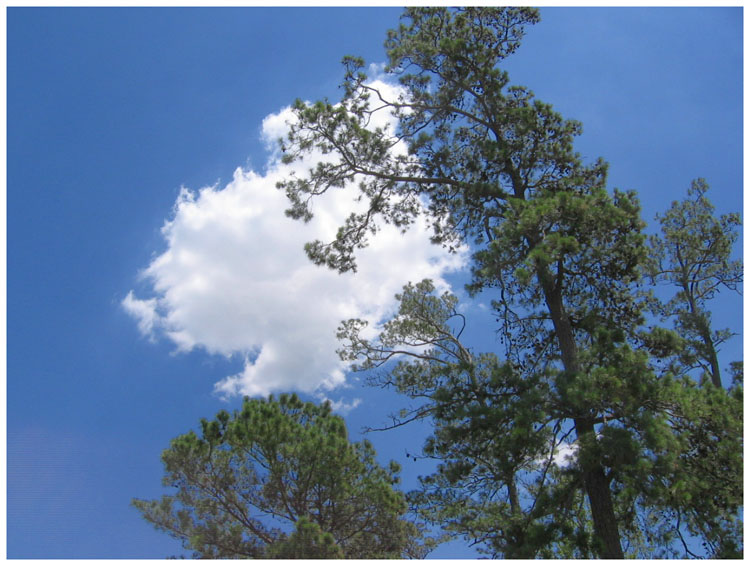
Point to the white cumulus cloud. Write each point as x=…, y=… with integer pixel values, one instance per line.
x=144, y=311
x=234, y=280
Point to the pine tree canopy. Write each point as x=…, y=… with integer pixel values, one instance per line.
x=588, y=433
x=280, y=479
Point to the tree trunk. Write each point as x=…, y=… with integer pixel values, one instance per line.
x=701, y=324
x=710, y=350
x=595, y=480
x=600, y=500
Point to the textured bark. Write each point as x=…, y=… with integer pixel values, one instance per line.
x=704, y=331
x=600, y=501
x=595, y=480
x=711, y=354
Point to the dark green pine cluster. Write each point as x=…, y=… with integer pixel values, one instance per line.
x=280, y=479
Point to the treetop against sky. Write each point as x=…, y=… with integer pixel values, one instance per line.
x=154, y=279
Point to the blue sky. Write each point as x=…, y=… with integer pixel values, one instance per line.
x=111, y=112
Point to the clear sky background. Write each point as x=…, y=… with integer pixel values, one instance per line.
x=118, y=332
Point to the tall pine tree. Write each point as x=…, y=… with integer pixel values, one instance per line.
x=693, y=254
x=492, y=166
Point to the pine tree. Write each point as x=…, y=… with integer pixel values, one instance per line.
x=493, y=167
x=280, y=479
x=692, y=253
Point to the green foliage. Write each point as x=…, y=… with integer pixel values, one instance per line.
x=706, y=490
x=308, y=541
x=493, y=167
x=692, y=254
x=670, y=449
x=274, y=467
